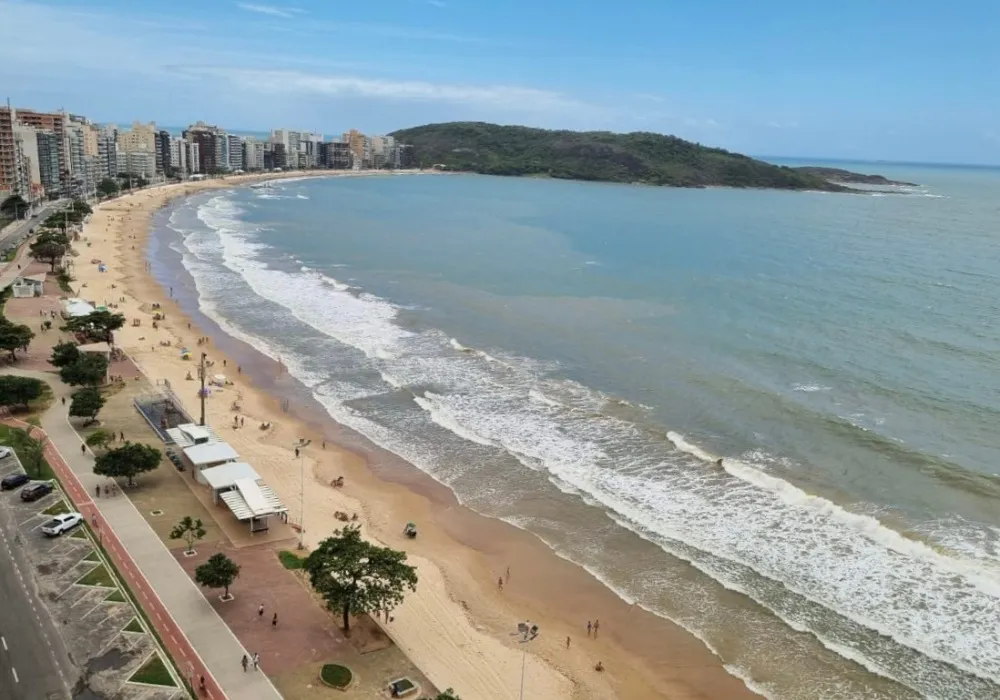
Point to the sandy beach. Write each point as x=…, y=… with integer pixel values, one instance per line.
x=458, y=625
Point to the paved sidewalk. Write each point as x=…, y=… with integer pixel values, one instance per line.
x=196, y=636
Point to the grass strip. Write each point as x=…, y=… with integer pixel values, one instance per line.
x=115, y=596
x=56, y=509
x=134, y=626
x=153, y=672
x=290, y=560
x=98, y=576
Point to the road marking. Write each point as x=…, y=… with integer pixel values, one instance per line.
x=14, y=671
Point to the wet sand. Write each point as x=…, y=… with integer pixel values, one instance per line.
x=458, y=625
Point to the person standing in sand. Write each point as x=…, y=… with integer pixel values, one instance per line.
x=260, y=610
x=590, y=628
x=597, y=626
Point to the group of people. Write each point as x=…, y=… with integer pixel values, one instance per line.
x=111, y=489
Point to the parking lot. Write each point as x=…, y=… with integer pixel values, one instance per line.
x=95, y=627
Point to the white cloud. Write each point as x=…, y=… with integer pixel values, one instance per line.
x=287, y=12
x=284, y=81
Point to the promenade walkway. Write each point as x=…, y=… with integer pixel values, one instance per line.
x=194, y=634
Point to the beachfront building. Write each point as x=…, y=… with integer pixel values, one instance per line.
x=239, y=486
x=235, y=152
x=253, y=153
x=206, y=137
x=178, y=159
x=54, y=125
x=28, y=286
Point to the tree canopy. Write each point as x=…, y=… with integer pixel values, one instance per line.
x=127, y=461
x=64, y=353
x=107, y=187
x=89, y=369
x=97, y=325
x=356, y=577
x=190, y=530
x=19, y=391
x=48, y=251
x=100, y=438
x=86, y=403
x=14, y=205
x=639, y=157
x=14, y=337
x=218, y=572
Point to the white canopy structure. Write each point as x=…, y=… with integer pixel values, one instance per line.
x=189, y=434
x=77, y=307
x=244, y=492
x=209, y=454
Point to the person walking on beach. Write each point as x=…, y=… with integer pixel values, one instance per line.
x=500, y=584
x=508, y=574
x=296, y=451
x=597, y=626
x=245, y=662
x=260, y=610
x=590, y=627
x=567, y=642
x=274, y=620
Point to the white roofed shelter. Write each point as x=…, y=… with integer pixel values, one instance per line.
x=244, y=492
x=189, y=434
x=209, y=454
x=77, y=307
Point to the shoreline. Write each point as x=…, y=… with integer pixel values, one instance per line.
x=457, y=626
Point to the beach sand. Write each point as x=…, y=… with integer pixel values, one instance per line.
x=458, y=627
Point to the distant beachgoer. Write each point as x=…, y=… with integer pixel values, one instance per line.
x=256, y=661
x=239, y=369
x=260, y=610
x=599, y=666
x=567, y=642
x=274, y=620
x=97, y=490
x=508, y=574
x=296, y=451
x=122, y=437
x=64, y=400
x=590, y=628
x=500, y=583
x=245, y=662
x=597, y=626
x=83, y=449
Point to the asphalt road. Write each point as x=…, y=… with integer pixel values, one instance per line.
x=19, y=231
x=33, y=660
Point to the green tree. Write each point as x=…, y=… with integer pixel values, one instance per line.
x=19, y=391
x=218, y=572
x=48, y=251
x=97, y=325
x=86, y=403
x=107, y=187
x=14, y=337
x=51, y=235
x=356, y=577
x=100, y=438
x=447, y=695
x=127, y=461
x=64, y=353
x=56, y=221
x=14, y=206
x=190, y=530
x=90, y=369
x=81, y=207
x=32, y=453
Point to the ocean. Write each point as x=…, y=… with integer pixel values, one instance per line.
x=574, y=358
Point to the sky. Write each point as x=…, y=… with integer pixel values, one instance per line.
x=872, y=80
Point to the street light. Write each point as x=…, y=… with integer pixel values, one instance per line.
x=302, y=490
x=528, y=632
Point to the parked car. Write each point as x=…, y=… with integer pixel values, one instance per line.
x=61, y=523
x=14, y=481
x=36, y=490
x=5, y=452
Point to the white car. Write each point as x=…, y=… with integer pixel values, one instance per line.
x=61, y=523
x=5, y=452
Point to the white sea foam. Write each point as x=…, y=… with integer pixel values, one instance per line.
x=810, y=388
x=849, y=563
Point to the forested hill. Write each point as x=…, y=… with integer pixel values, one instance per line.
x=638, y=157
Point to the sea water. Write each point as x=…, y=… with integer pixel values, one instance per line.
x=574, y=358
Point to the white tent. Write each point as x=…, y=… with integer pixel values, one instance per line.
x=78, y=307
x=209, y=454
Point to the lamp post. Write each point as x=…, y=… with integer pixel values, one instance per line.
x=299, y=446
x=201, y=393
x=528, y=632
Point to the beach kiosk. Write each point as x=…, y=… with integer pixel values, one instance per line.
x=246, y=495
x=190, y=434
x=207, y=455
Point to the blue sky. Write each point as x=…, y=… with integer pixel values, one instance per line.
x=878, y=79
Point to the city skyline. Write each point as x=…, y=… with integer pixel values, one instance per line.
x=848, y=81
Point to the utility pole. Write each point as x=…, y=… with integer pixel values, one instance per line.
x=201, y=394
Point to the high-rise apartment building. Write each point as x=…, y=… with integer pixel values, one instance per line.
x=253, y=153
x=55, y=124
x=193, y=157
x=163, y=162
x=50, y=159
x=205, y=136
x=235, y=152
